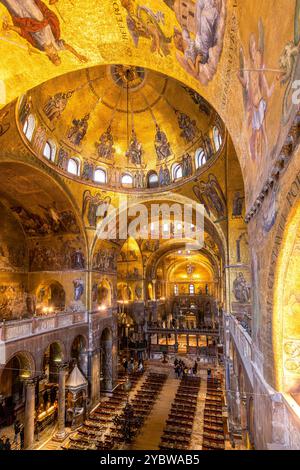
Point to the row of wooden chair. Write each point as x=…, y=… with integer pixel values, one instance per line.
x=213, y=429
x=179, y=425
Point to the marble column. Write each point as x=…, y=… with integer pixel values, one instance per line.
x=29, y=413
x=95, y=376
x=62, y=372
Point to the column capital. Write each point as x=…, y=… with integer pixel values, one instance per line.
x=63, y=366
x=31, y=381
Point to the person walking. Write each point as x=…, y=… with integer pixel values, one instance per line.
x=125, y=365
x=17, y=431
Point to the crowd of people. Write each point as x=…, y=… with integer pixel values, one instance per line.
x=130, y=366
x=182, y=370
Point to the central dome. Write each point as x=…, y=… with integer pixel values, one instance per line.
x=123, y=120
x=126, y=76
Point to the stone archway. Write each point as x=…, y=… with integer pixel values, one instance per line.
x=286, y=320
x=78, y=353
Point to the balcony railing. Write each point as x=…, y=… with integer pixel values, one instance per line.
x=243, y=342
x=183, y=330
x=18, y=329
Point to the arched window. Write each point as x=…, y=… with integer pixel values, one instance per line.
x=49, y=151
x=73, y=166
x=217, y=138
x=191, y=289
x=175, y=289
x=152, y=180
x=100, y=176
x=127, y=180
x=200, y=158
x=177, y=171
x=29, y=127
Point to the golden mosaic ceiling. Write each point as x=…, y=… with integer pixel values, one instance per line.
x=202, y=43
x=148, y=104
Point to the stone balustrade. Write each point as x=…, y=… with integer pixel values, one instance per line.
x=243, y=342
x=19, y=329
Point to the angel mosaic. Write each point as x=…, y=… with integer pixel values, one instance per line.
x=77, y=132
x=105, y=146
x=55, y=105
x=210, y=194
x=142, y=22
x=91, y=205
x=199, y=43
x=256, y=92
x=39, y=26
x=162, y=146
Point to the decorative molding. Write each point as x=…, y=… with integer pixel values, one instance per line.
x=282, y=161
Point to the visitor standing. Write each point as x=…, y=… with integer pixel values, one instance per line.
x=17, y=431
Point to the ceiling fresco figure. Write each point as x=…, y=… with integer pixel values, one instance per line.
x=200, y=42
x=38, y=25
x=142, y=22
x=290, y=65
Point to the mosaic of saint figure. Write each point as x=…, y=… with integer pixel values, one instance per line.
x=187, y=125
x=78, y=130
x=88, y=171
x=105, y=146
x=25, y=108
x=241, y=289
x=56, y=105
x=39, y=139
x=39, y=26
x=142, y=22
x=139, y=179
x=237, y=205
x=78, y=289
x=62, y=159
x=162, y=146
x=256, y=93
x=135, y=150
x=187, y=166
